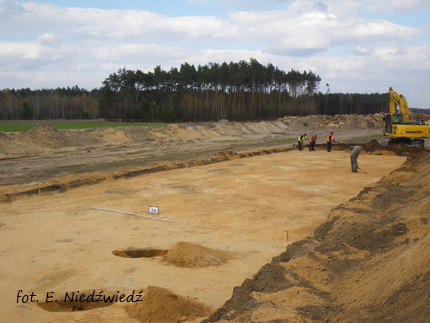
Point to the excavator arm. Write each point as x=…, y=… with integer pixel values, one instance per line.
x=399, y=104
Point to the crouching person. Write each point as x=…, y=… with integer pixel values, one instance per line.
x=355, y=152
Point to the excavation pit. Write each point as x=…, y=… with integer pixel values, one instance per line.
x=140, y=253
x=259, y=209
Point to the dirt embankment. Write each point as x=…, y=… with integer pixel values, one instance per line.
x=343, y=121
x=43, y=152
x=44, y=137
x=346, y=121
x=367, y=263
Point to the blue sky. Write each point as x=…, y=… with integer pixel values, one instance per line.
x=354, y=45
x=177, y=8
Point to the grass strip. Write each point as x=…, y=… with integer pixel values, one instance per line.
x=78, y=125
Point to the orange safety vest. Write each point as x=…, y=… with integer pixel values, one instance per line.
x=330, y=138
x=312, y=139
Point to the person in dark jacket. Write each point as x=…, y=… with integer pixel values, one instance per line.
x=312, y=142
x=300, y=141
x=355, y=152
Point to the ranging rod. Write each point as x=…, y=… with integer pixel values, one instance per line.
x=151, y=217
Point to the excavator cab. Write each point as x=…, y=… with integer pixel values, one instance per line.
x=397, y=118
x=392, y=119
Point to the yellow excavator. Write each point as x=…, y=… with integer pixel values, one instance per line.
x=398, y=125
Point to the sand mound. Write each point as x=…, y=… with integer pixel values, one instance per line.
x=40, y=138
x=180, y=132
x=43, y=129
x=339, y=121
x=3, y=136
x=375, y=148
x=420, y=116
x=174, y=132
x=191, y=255
x=112, y=135
x=160, y=305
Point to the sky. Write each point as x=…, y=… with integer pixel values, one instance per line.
x=355, y=46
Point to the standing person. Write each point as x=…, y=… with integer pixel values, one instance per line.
x=300, y=141
x=312, y=142
x=355, y=152
x=329, y=141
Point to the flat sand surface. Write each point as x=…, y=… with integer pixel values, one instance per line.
x=55, y=243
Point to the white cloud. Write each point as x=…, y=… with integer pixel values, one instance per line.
x=34, y=55
x=49, y=39
x=242, y=26
x=17, y=52
x=320, y=6
x=360, y=50
x=347, y=7
x=396, y=6
x=300, y=44
x=67, y=46
x=299, y=30
x=10, y=8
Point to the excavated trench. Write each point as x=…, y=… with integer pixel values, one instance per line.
x=140, y=253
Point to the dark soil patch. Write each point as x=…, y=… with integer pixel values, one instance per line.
x=140, y=253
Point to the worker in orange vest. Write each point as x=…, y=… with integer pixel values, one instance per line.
x=329, y=141
x=312, y=142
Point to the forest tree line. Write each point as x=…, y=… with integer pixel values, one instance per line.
x=235, y=91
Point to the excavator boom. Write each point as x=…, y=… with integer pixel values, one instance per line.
x=399, y=104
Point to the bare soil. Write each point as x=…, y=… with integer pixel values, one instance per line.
x=357, y=246
x=160, y=305
x=367, y=263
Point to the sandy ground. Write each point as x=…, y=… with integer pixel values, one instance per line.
x=367, y=263
x=56, y=243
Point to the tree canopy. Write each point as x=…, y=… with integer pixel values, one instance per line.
x=236, y=91
x=244, y=90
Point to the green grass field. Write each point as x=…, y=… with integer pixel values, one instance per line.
x=78, y=125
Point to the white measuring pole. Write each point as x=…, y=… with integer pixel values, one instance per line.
x=151, y=217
